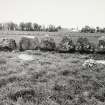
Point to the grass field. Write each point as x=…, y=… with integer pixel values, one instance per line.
x=93, y=37
x=50, y=78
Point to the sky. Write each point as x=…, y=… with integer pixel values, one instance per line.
x=67, y=13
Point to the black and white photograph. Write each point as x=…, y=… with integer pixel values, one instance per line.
x=52, y=52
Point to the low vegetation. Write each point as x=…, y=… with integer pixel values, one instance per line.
x=50, y=79
x=66, y=45
x=47, y=44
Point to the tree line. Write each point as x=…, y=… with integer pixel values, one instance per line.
x=88, y=29
x=28, y=26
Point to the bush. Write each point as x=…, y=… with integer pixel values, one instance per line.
x=66, y=45
x=83, y=45
x=48, y=44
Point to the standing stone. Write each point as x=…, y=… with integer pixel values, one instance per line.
x=7, y=44
x=29, y=43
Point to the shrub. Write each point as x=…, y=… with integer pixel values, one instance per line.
x=92, y=65
x=83, y=45
x=48, y=44
x=66, y=45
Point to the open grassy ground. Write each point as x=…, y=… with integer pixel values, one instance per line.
x=50, y=78
x=93, y=37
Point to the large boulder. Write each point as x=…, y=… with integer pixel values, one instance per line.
x=83, y=45
x=47, y=43
x=101, y=44
x=28, y=43
x=7, y=44
x=66, y=45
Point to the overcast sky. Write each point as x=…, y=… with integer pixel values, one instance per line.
x=67, y=13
